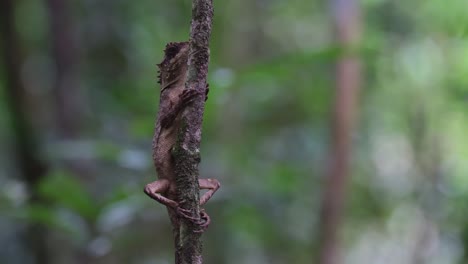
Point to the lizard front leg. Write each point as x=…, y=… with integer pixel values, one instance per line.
x=155, y=189
x=185, y=98
x=211, y=185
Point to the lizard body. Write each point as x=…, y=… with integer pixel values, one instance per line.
x=173, y=99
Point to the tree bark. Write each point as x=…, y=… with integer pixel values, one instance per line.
x=187, y=148
x=31, y=167
x=346, y=18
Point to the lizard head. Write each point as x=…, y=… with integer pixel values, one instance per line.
x=174, y=63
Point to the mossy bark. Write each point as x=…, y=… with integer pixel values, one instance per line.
x=187, y=149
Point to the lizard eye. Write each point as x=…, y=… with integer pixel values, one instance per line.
x=171, y=51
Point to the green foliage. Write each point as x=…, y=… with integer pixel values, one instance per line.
x=265, y=132
x=250, y=222
x=284, y=179
x=65, y=190
x=41, y=214
x=31, y=23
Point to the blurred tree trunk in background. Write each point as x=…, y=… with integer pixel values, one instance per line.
x=66, y=91
x=31, y=167
x=346, y=18
x=67, y=95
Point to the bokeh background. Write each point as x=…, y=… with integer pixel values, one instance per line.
x=78, y=100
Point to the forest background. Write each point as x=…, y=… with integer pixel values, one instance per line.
x=78, y=98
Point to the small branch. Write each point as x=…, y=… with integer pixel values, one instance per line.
x=187, y=148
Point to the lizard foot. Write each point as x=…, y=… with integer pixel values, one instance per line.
x=202, y=223
x=188, y=95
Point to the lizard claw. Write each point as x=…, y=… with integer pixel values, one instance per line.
x=188, y=95
x=204, y=221
x=201, y=222
x=185, y=213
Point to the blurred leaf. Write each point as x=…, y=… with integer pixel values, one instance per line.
x=53, y=218
x=41, y=214
x=107, y=150
x=63, y=189
x=31, y=22
x=282, y=66
x=247, y=219
x=283, y=179
x=143, y=126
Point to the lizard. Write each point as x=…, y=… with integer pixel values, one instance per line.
x=173, y=100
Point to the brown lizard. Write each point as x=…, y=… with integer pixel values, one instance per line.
x=173, y=99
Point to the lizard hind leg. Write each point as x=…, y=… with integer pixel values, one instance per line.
x=155, y=189
x=202, y=223
x=212, y=185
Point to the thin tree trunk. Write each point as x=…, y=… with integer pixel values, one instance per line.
x=68, y=99
x=346, y=18
x=187, y=148
x=32, y=168
x=67, y=96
